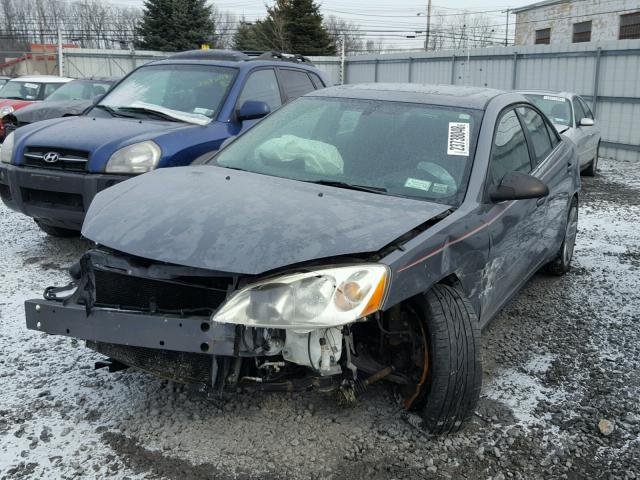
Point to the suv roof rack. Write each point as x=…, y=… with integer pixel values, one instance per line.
x=236, y=56
x=273, y=55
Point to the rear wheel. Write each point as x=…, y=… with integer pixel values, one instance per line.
x=447, y=366
x=562, y=263
x=57, y=231
x=590, y=171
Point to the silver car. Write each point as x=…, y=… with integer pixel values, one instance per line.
x=572, y=117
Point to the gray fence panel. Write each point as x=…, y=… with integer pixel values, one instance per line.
x=431, y=72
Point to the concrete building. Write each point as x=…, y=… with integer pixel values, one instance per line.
x=574, y=21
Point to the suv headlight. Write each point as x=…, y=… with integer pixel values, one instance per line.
x=6, y=110
x=137, y=158
x=321, y=298
x=6, y=150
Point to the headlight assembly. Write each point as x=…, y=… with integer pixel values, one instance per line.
x=6, y=150
x=137, y=158
x=322, y=298
x=6, y=110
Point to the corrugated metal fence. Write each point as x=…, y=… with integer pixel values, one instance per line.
x=606, y=74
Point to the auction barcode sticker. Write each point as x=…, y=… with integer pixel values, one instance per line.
x=458, y=142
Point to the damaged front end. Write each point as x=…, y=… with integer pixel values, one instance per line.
x=288, y=332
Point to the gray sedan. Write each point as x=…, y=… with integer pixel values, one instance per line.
x=572, y=117
x=358, y=234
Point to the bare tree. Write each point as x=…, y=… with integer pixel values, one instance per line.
x=340, y=30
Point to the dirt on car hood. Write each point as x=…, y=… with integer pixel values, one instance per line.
x=234, y=221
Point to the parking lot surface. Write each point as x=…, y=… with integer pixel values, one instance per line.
x=561, y=393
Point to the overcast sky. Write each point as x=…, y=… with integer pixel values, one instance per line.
x=372, y=16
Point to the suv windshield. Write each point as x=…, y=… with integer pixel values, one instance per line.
x=79, y=90
x=557, y=109
x=21, y=90
x=191, y=93
x=392, y=148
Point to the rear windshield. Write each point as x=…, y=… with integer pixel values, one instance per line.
x=80, y=90
x=401, y=149
x=557, y=109
x=21, y=90
x=197, y=90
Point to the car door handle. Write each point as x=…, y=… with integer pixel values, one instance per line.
x=541, y=201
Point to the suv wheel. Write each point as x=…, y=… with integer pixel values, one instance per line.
x=57, y=231
x=450, y=375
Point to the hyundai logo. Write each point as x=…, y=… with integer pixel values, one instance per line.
x=51, y=157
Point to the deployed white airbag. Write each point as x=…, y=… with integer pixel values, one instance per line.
x=318, y=157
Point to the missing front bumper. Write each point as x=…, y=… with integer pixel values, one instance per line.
x=192, y=334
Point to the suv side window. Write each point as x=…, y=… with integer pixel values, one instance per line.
x=49, y=88
x=316, y=81
x=509, y=152
x=578, y=111
x=585, y=107
x=295, y=83
x=262, y=85
x=538, y=134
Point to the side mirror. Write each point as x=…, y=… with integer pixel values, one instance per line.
x=253, y=109
x=587, y=122
x=518, y=186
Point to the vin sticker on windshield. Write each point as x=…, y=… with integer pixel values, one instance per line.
x=458, y=141
x=418, y=184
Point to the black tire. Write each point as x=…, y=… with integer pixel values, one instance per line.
x=591, y=170
x=562, y=263
x=57, y=231
x=452, y=388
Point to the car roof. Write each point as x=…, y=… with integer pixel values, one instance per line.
x=446, y=95
x=236, y=59
x=42, y=79
x=555, y=93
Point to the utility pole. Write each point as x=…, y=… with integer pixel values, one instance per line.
x=60, y=59
x=343, y=41
x=426, y=40
x=506, y=32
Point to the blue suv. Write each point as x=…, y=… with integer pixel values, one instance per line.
x=167, y=113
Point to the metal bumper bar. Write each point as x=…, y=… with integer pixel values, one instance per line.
x=195, y=334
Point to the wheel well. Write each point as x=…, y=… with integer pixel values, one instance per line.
x=452, y=280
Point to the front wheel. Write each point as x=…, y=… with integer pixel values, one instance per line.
x=57, y=231
x=451, y=373
x=562, y=263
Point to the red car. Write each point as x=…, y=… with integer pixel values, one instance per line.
x=22, y=91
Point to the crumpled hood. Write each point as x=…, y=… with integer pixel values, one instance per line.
x=233, y=221
x=51, y=109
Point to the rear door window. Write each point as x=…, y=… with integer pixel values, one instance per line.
x=316, y=81
x=295, y=83
x=262, y=85
x=538, y=133
x=509, y=152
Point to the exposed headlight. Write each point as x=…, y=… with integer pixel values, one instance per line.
x=318, y=299
x=6, y=150
x=6, y=110
x=137, y=158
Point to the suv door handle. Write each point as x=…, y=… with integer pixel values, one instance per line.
x=540, y=201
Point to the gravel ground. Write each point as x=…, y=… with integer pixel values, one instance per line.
x=562, y=366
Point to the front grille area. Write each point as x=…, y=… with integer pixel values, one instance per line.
x=45, y=198
x=118, y=290
x=68, y=159
x=177, y=366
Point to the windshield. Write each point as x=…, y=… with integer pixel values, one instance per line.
x=557, y=109
x=195, y=90
x=80, y=90
x=21, y=90
x=402, y=149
